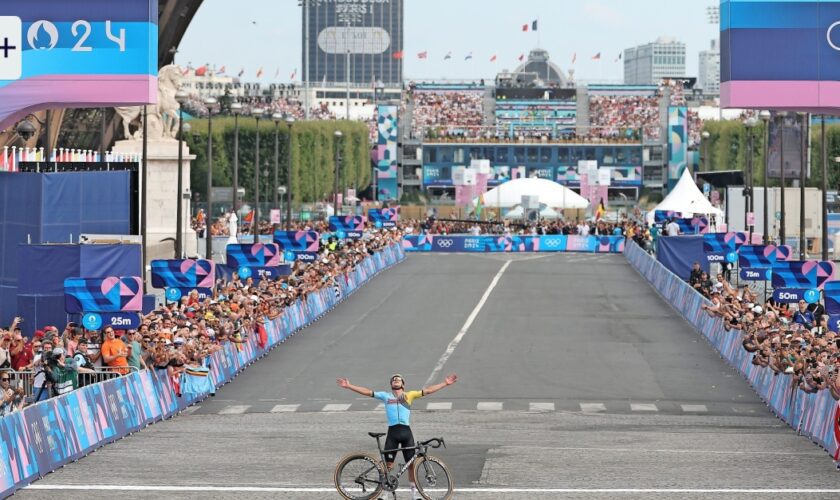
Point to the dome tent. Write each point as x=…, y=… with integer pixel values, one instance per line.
x=550, y=194
x=685, y=198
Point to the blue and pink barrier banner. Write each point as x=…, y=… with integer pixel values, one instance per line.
x=95, y=295
x=384, y=217
x=350, y=226
x=813, y=415
x=298, y=241
x=48, y=435
x=254, y=255
x=479, y=244
x=184, y=274
x=802, y=274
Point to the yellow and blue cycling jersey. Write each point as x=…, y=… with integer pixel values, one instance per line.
x=398, y=409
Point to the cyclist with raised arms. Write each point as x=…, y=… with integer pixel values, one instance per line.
x=398, y=411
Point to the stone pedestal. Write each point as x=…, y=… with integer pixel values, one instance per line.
x=161, y=198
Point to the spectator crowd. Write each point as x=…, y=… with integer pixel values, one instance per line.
x=176, y=337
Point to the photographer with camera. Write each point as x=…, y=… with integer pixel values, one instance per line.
x=64, y=372
x=11, y=399
x=41, y=384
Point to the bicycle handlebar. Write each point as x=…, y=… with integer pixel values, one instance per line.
x=438, y=442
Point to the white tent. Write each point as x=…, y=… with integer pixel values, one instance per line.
x=550, y=194
x=685, y=198
x=545, y=213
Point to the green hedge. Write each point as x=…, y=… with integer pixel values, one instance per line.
x=313, y=156
x=728, y=151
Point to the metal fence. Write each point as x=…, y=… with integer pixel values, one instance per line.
x=26, y=379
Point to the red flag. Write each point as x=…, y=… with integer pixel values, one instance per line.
x=422, y=55
x=201, y=71
x=493, y=59
x=185, y=71
x=221, y=71
x=521, y=57
x=260, y=73
x=525, y=27
x=398, y=55
x=596, y=57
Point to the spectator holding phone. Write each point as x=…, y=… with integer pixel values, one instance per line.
x=114, y=352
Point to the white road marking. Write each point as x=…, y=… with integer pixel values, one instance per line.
x=489, y=406
x=592, y=407
x=380, y=407
x=291, y=489
x=284, y=408
x=694, y=408
x=643, y=407
x=191, y=410
x=234, y=409
x=541, y=407
x=336, y=407
x=439, y=406
x=457, y=340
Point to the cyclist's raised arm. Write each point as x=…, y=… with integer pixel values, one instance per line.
x=449, y=380
x=345, y=383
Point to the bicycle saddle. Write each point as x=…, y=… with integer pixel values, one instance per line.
x=376, y=434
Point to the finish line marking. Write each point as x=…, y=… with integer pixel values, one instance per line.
x=257, y=489
x=457, y=340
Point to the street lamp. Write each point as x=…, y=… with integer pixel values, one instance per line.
x=290, y=121
x=783, y=116
x=255, y=221
x=184, y=196
x=750, y=124
x=236, y=109
x=210, y=102
x=803, y=159
x=705, y=135
x=338, y=135
x=765, y=117
x=277, y=117
x=181, y=97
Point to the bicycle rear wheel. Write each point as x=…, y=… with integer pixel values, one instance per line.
x=358, y=476
x=433, y=479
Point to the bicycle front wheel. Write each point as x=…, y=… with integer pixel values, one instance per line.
x=358, y=476
x=434, y=482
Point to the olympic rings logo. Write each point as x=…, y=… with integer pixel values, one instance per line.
x=445, y=243
x=828, y=36
x=553, y=243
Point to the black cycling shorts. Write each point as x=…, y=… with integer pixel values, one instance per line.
x=399, y=436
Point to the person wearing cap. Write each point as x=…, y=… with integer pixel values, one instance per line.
x=398, y=412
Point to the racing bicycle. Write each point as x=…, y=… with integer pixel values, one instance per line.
x=361, y=476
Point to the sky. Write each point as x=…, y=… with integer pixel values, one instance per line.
x=251, y=34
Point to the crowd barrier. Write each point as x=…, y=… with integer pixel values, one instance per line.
x=812, y=415
x=50, y=434
x=551, y=243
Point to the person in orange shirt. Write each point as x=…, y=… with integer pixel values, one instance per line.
x=115, y=352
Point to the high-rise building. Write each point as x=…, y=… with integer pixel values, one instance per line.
x=367, y=35
x=649, y=64
x=708, y=75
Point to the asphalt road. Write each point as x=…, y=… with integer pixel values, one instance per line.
x=576, y=381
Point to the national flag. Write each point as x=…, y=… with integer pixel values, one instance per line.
x=493, y=59
x=600, y=211
x=294, y=74
x=201, y=71
x=574, y=57
x=422, y=55
x=525, y=27
x=534, y=25
x=596, y=57
x=479, y=206
x=186, y=71
x=241, y=72
x=469, y=56
x=618, y=58
x=259, y=73
x=222, y=70
x=521, y=57
x=398, y=54
x=448, y=56
x=248, y=218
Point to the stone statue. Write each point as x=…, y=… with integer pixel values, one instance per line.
x=163, y=116
x=233, y=228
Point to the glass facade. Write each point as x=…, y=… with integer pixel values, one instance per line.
x=371, y=31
